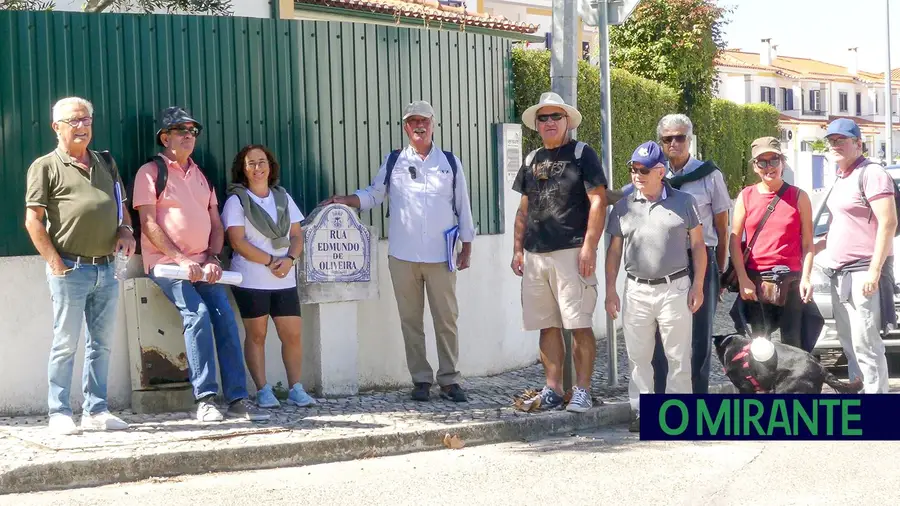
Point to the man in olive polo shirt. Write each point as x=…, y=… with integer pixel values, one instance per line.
x=77, y=191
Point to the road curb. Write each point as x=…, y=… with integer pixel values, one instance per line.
x=89, y=473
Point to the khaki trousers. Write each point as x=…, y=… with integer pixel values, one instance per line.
x=646, y=309
x=412, y=282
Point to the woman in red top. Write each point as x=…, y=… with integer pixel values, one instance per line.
x=785, y=244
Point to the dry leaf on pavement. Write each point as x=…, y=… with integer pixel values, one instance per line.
x=453, y=442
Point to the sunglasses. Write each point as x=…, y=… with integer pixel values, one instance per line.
x=642, y=170
x=556, y=116
x=765, y=164
x=412, y=172
x=75, y=122
x=186, y=130
x=669, y=138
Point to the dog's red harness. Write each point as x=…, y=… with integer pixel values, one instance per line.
x=744, y=355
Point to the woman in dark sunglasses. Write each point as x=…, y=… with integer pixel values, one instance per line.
x=773, y=273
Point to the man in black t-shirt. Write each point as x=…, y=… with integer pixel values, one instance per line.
x=558, y=226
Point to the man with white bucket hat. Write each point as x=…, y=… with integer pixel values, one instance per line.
x=558, y=226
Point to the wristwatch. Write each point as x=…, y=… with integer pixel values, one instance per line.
x=293, y=260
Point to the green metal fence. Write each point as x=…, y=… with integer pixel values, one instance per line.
x=327, y=97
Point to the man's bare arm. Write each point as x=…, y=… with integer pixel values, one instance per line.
x=720, y=222
x=156, y=235
x=37, y=231
x=596, y=217
x=216, y=233
x=519, y=233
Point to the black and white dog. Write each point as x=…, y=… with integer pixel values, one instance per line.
x=784, y=369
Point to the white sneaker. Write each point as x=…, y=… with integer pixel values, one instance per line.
x=207, y=411
x=61, y=423
x=581, y=401
x=103, y=420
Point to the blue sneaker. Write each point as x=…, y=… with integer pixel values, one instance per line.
x=265, y=398
x=550, y=399
x=299, y=397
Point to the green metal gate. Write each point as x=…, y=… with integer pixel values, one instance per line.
x=326, y=97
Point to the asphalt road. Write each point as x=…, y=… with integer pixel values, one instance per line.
x=609, y=467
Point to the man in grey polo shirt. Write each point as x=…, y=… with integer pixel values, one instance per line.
x=652, y=225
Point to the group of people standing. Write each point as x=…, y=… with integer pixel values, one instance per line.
x=670, y=226
x=78, y=219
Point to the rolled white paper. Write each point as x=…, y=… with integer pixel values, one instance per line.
x=178, y=272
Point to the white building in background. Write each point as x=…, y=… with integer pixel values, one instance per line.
x=809, y=94
x=535, y=12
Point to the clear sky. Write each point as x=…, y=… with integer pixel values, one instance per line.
x=818, y=29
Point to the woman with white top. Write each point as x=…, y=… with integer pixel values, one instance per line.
x=262, y=223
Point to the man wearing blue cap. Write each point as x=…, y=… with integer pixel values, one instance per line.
x=652, y=225
x=861, y=203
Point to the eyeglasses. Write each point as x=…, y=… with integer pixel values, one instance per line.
x=765, y=164
x=669, y=138
x=556, y=116
x=76, y=122
x=643, y=170
x=839, y=141
x=261, y=163
x=186, y=130
x=412, y=172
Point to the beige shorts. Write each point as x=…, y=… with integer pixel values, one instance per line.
x=554, y=294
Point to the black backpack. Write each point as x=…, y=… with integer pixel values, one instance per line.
x=389, y=169
x=862, y=193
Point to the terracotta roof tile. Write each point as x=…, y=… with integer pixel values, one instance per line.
x=791, y=66
x=428, y=10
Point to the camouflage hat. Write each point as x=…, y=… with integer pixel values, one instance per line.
x=171, y=116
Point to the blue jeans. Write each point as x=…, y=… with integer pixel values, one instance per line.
x=701, y=340
x=88, y=294
x=206, y=313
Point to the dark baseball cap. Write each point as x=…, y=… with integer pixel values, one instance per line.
x=648, y=154
x=172, y=116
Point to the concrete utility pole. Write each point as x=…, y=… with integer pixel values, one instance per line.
x=564, y=82
x=606, y=156
x=888, y=99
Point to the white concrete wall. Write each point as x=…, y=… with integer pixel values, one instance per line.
x=490, y=335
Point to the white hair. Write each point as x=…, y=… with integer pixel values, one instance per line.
x=674, y=121
x=62, y=104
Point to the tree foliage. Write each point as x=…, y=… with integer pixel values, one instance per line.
x=637, y=105
x=674, y=42
x=214, y=7
x=26, y=5
x=728, y=134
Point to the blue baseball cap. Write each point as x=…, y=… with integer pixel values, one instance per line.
x=648, y=154
x=843, y=126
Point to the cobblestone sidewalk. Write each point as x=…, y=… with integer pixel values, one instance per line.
x=26, y=441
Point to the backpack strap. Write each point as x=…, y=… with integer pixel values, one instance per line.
x=162, y=174
x=765, y=217
x=388, y=170
x=530, y=158
x=579, y=149
x=452, y=161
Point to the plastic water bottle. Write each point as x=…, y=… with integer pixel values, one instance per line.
x=121, y=264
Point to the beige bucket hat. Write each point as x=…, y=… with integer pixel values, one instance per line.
x=549, y=99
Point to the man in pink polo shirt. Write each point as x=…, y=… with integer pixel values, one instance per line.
x=861, y=245
x=182, y=226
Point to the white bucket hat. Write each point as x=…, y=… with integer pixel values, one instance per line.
x=547, y=100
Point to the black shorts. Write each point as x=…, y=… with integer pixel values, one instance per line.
x=253, y=303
